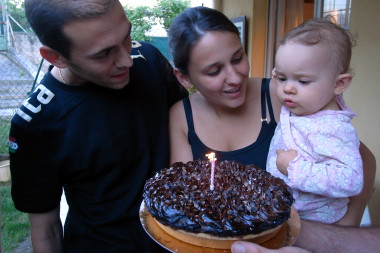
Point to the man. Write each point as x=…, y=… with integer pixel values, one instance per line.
x=97, y=125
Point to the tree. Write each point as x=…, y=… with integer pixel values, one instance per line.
x=16, y=11
x=167, y=10
x=141, y=20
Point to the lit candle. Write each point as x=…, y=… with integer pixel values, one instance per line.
x=212, y=159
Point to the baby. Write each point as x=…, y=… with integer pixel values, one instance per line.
x=315, y=148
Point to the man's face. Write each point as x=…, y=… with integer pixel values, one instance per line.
x=100, y=49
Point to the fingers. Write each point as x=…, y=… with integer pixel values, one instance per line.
x=249, y=247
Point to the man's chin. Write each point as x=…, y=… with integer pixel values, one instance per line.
x=117, y=85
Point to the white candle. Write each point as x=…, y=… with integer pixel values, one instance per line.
x=212, y=159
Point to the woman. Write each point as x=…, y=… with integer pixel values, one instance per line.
x=231, y=113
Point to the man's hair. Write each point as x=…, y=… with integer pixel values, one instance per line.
x=48, y=17
x=324, y=32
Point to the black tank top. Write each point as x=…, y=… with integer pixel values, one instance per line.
x=256, y=153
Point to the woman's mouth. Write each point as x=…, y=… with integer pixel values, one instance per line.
x=233, y=93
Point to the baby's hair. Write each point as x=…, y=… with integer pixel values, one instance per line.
x=324, y=32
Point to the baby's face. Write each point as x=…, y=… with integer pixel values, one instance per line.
x=305, y=81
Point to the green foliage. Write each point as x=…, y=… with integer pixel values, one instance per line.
x=17, y=11
x=142, y=21
x=167, y=10
x=4, y=133
x=15, y=226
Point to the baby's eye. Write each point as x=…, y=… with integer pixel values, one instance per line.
x=281, y=79
x=304, y=81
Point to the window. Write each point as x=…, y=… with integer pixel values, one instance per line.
x=339, y=9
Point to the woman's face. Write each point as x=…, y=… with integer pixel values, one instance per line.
x=219, y=68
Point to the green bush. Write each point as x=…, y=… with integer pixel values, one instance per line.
x=4, y=133
x=15, y=227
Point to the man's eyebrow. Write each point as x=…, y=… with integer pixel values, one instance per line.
x=109, y=48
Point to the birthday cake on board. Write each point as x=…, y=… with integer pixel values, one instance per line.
x=213, y=204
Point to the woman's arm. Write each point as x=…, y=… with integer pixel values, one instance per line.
x=180, y=149
x=46, y=232
x=359, y=202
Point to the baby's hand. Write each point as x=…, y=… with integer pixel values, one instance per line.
x=284, y=158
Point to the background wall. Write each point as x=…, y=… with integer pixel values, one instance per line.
x=363, y=96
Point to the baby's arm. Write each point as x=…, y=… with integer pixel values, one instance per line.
x=334, y=167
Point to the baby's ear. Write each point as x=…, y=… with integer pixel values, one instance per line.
x=342, y=82
x=182, y=78
x=53, y=57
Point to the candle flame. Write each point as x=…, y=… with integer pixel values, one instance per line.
x=211, y=156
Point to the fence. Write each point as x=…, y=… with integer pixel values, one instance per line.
x=19, y=63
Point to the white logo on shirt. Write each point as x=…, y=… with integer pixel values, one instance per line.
x=44, y=96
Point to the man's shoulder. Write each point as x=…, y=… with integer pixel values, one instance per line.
x=140, y=47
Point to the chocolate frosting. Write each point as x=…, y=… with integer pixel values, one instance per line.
x=245, y=200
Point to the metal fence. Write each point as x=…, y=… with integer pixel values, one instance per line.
x=19, y=64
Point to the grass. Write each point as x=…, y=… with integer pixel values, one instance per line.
x=15, y=226
x=4, y=132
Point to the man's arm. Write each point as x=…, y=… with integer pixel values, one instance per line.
x=46, y=232
x=318, y=237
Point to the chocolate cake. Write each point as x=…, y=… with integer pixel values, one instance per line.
x=245, y=199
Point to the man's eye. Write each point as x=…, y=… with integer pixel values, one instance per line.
x=103, y=54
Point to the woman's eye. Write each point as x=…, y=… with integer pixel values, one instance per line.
x=214, y=73
x=237, y=60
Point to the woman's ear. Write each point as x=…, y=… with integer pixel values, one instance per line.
x=182, y=78
x=53, y=57
x=342, y=82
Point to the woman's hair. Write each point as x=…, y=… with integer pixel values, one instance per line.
x=324, y=32
x=48, y=17
x=189, y=27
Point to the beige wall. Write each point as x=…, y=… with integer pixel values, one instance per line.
x=363, y=96
x=256, y=15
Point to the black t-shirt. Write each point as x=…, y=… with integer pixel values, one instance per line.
x=100, y=145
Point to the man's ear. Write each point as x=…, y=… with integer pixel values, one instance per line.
x=182, y=78
x=342, y=82
x=53, y=57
